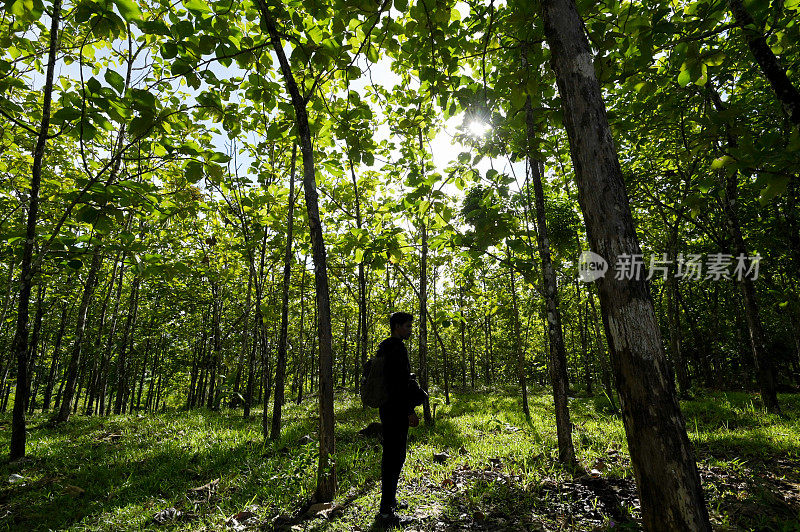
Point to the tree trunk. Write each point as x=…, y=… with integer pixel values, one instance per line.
x=787, y=93
x=106, y=357
x=48, y=390
x=122, y=369
x=605, y=374
x=762, y=359
x=362, y=288
x=558, y=356
x=280, y=370
x=661, y=454
x=20, y=343
x=326, y=470
x=34, y=342
x=518, y=351
x=77, y=347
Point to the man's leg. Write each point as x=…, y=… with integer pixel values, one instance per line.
x=395, y=436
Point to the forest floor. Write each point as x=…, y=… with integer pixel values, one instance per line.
x=203, y=470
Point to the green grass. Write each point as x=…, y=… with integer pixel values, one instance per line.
x=502, y=471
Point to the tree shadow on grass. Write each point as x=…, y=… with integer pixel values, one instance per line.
x=114, y=467
x=491, y=499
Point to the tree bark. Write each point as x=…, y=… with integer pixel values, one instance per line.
x=20, y=343
x=662, y=456
x=280, y=369
x=558, y=355
x=326, y=470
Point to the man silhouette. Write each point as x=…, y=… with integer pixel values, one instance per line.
x=397, y=413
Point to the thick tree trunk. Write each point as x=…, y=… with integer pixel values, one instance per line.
x=80, y=327
x=280, y=370
x=661, y=454
x=20, y=344
x=326, y=470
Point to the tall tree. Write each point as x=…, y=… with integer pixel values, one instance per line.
x=20, y=343
x=280, y=368
x=326, y=469
x=661, y=454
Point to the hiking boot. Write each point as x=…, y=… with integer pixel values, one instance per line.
x=391, y=519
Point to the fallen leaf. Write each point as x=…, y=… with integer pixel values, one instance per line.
x=440, y=458
x=15, y=478
x=74, y=491
x=167, y=514
x=211, y=486
x=322, y=508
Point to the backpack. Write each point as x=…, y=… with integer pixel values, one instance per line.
x=373, y=389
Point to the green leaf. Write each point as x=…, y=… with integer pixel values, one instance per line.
x=401, y=5
x=721, y=162
x=115, y=80
x=128, y=9
x=197, y=5
x=685, y=77
x=194, y=171
x=777, y=185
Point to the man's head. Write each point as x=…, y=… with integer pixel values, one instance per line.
x=400, y=324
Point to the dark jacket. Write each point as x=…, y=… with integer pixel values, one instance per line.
x=396, y=374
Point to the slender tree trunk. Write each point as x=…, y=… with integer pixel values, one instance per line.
x=280, y=370
x=605, y=374
x=661, y=454
x=109, y=348
x=326, y=470
x=518, y=351
x=130, y=324
x=762, y=359
x=362, y=287
x=216, y=343
x=245, y=344
x=586, y=353
x=77, y=347
x=20, y=343
x=34, y=341
x=558, y=356
x=787, y=93
x=48, y=391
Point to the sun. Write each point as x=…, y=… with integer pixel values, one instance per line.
x=478, y=128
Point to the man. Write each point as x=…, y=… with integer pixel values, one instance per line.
x=397, y=413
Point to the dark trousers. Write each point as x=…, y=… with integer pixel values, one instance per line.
x=395, y=438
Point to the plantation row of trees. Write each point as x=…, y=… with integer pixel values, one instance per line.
x=217, y=204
